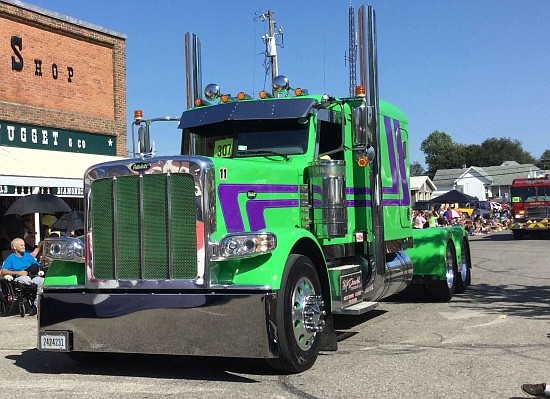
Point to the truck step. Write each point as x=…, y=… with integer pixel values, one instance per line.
x=357, y=309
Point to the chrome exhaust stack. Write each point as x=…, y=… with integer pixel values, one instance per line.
x=193, y=70
x=369, y=79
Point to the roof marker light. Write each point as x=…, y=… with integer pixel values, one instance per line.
x=138, y=115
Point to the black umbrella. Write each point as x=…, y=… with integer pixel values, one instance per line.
x=69, y=222
x=38, y=203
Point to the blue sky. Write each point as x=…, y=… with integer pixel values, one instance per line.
x=473, y=69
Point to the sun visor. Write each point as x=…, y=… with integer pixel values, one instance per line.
x=267, y=109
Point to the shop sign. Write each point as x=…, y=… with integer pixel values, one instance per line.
x=47, y=138
x=7, y=189
x=68, y=191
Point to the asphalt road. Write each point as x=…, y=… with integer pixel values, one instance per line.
x=482, y=344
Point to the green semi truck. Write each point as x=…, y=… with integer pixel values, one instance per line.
x=277, y=214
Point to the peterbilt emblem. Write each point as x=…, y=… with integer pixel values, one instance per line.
x=139, y=167
x=251, y=194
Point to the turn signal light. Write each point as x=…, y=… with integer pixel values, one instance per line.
x=362, y=161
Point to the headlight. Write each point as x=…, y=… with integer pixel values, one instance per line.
x=246, y=245
x=66, y=248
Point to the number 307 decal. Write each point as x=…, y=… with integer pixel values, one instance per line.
x=223, y=148
x=223, y=173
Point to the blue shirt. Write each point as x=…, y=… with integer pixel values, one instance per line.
x=15, y=264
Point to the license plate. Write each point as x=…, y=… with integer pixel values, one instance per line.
x=54, y=341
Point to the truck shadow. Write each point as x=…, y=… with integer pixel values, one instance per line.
x=528, y=301
x=151, y=366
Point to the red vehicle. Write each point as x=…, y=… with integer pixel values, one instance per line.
x=530, y=206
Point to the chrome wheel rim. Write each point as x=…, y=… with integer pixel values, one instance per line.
x=464, y=262
x=303, y=290
x=449, y=272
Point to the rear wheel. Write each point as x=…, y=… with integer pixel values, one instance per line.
x=7, y=298
x=464, y=277
x=300, y=316
x=444, y=290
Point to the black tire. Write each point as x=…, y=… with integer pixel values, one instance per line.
x=90, y=357
x=464, y=278
x=443, y=291
x=518, y=234
x=298, y=344
x=7, y=301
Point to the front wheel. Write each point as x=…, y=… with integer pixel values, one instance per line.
x=300, y=316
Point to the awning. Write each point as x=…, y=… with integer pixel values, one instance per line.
x=24, y=171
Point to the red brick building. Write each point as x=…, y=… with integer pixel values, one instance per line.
x=62, y=101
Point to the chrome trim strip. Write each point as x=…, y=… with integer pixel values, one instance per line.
x=169, y=226
x=241, y=287
x=141, y=225
x=115, y=235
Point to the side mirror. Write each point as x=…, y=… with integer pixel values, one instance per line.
x=362, y=122
x=144, y=144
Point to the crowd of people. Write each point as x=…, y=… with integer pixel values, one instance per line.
x=478, y=224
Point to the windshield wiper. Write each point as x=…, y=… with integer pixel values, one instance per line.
x=263, y=152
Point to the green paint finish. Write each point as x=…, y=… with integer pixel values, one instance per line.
x=65, y=273
x=53, y=139
x=429, y=251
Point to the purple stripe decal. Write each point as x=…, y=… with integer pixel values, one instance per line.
x=317, y=190
x=353, y=203
x=255, y=211
x=402, y=171
x=358, y=190
x=394, y=189
x=229, y=200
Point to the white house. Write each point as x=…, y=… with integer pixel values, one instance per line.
x=483, y=182
x=422, y=188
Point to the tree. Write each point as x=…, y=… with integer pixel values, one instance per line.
x=442, y=152
x=544, y=160
x=496, y=151
x=472, y=154
x=417, y=169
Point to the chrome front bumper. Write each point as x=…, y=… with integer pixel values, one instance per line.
x=209, y=324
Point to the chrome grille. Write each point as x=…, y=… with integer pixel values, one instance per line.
x=144, y=227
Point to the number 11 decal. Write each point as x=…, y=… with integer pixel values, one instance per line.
x=223, y=173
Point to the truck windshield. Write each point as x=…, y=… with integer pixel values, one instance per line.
x=527, y=194
x=250, y=138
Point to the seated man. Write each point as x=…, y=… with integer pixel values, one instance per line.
x=21, y=266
